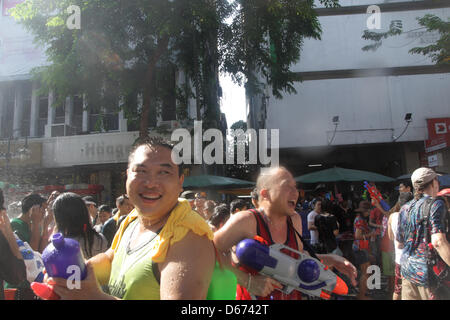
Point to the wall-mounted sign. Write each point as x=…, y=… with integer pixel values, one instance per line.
x=15, y=157
x=433, y=161
x=438, y=134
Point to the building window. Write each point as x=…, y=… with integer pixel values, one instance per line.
x=60, y=112
x=106, y=119
x=78, y=113
x=26, y=115
x=43, y=115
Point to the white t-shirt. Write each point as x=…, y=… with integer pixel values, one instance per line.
x=314, y=233
x=394, y=226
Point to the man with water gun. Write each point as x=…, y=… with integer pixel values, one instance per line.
x=275, y=222
x=162, y=243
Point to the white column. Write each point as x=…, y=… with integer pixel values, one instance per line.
x=68, y=116
x=85, y=123
x=123, y=124
x=34, y=116
x=50, y=115
x=18, y=111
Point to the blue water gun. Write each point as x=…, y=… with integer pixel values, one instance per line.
x=305, y=274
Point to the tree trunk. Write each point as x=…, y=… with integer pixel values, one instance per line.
x=148, y=91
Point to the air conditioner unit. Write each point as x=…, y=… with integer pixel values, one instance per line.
x=61, y=130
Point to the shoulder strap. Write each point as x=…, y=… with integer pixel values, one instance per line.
x=305, y=244
x=428, y=202
x=262, y=229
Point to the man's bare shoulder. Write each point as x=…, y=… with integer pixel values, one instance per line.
x=192, y=241
x=187, y=269
x=246, y=215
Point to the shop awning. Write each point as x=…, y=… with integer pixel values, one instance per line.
x=341, y=174
x=215, y=182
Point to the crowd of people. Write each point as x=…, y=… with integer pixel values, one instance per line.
x=70, y=214
x=398, y=241
x=161, y=242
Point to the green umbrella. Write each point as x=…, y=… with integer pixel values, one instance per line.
x=340, y=174
x=214, y=182
x=404, y=177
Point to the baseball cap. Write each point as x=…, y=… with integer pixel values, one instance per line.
x=188, y=195
x=444, y=192
x=89, y=200
x=422, y=176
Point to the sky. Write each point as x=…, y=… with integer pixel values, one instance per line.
x=233, y=100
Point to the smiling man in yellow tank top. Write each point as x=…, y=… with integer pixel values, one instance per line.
x=163, y=249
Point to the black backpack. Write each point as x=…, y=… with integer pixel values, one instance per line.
x=438, y=270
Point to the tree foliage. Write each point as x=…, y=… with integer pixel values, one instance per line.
x=266, y=38
x=124, y=48
x=439, y=52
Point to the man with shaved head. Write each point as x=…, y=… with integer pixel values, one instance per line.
x=276, y=221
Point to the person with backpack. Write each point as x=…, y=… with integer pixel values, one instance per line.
x=423, y=233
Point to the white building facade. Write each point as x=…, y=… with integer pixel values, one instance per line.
x=351, y=106
x=66, y=148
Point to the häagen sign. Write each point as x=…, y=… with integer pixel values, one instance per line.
x=88, y=149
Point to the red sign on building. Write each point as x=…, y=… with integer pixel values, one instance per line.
x=8, y=4
x=438, y=134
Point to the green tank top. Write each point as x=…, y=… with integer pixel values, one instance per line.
x=132, y=276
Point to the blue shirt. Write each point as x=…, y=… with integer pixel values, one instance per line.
x=411, y=234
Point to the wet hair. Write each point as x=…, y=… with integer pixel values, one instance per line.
x=31, y=200
x=418, y=192
x=327, y=206
x=265, y=179
x=221, y=214
x=152, y=142
x=104, y=207
x=407, y=183
x=209, y=207
x=121, y=199
x=237, y=204
x=73, y=220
